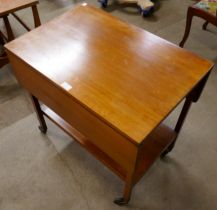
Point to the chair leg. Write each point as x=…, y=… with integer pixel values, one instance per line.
x=36, y=17
x=3, y=56
x=1, y=40
x=187, y=27
x=205, y=25
x=10, y=34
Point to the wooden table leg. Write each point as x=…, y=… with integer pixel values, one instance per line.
x=10, y=34
x=193, y=96
x=42, y=127
x=187, y=27
x=127, y=191
x=36, y=17
x=179, y=124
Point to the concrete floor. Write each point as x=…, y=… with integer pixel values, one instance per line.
x=52, y=172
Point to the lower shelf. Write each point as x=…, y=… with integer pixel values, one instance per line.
x=149, y=150
x=76, y=135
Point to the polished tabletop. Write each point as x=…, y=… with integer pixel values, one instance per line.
x=127, y=77
x=7, y=6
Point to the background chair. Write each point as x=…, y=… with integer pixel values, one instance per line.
x=3, y=56
x=205, y=9
x=7, y=9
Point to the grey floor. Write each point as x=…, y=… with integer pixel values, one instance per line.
x=52, y=172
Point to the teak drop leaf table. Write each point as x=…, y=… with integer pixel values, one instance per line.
x=109, y=85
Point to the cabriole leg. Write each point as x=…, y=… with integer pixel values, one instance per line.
x=205, y=25
x=187, y=27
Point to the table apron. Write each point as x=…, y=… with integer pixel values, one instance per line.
x=106, y=138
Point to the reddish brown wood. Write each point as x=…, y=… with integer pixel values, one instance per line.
x=193, y=96
x=179, y=124
x=36, y=17
x=84, y=142
x=154, y=145
x=116, y=95
x=10, y=34
x=187, y=27
x=9, y=7
x=156, y=142
x=195, y=11
x=198, y=89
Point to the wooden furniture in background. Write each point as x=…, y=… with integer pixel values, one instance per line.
x=109, y=85
x=3, y=56
x=210, y=16
x=8, y=7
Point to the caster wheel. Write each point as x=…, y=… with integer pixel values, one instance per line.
x=166, y=151
x=147, y=12
x=163, y=155
x=43, y=130
x=120, y=201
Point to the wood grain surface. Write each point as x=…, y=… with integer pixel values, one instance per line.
x=125, y=76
